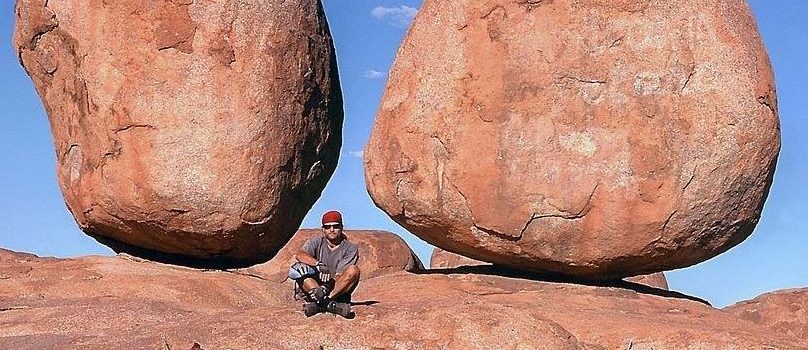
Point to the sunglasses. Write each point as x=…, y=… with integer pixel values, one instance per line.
x=334, y=226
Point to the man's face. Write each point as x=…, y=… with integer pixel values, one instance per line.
x=332, y=231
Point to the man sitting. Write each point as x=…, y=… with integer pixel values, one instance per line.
x=316, y=261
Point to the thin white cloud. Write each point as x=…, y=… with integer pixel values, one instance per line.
x=374, y=74
x=357, y=154
x=397, y=16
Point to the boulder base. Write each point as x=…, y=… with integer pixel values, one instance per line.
x=442, y=259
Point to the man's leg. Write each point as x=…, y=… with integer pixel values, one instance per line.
x=345, y=281
x=305, y=277
x=309, y=284
x=315, y=296
x=314, y=289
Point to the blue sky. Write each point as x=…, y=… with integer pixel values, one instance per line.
x=33, y=217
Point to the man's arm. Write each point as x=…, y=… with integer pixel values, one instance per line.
x=306, y=258
x=308, y=252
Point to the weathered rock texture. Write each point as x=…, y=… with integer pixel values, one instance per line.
x=380, y=253
x=783, y=312
x=442, y=259
x=594, y=138
x=189, y=130
x=98, y=303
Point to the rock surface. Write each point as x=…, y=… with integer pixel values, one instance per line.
x=187, y=130
x=380, y=253
x=93, y=302
x=442, y=259
x=656, y=280
x=783, y=312
x=591, y=138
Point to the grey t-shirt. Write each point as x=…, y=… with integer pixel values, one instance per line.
x=337, y=260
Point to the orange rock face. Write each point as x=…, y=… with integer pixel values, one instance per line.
x=782, y=312
x=195, y=132
x=380, y=253
x=92, y=302
x=592, y=138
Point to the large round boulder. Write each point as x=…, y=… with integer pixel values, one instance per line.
x=188, y=131
x=593, y=138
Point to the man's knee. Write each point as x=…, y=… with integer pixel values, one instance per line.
x=298, y=271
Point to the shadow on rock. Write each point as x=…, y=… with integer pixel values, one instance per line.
x=364, y=303
x=502, y=271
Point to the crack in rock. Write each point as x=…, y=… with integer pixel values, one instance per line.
x=133, y=126
x=90, y=209
x=69, y=148
x=692, y=176
x=564, y=214
x=494, y=9
x=112, y=153
x=496, y=234
x=34, y=42
x=617, y=42
x=668, y=220
x=767, y=101
x=687, y=81
x=241, y=273
x=465, y=201
x=12, y=308
x=485, y=294
x=257, y=223
x=532, y=4
x=559, y=80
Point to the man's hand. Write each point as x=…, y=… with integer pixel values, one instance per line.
x=325, y=274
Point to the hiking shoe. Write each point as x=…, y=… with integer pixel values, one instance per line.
x=310, y=309
x=337, y=308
